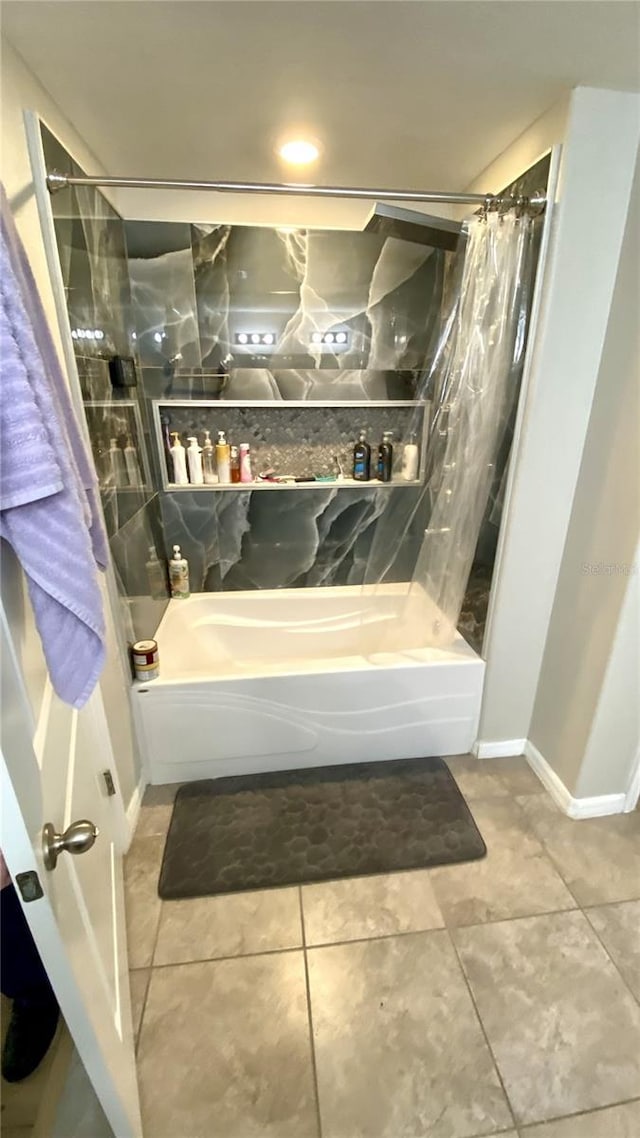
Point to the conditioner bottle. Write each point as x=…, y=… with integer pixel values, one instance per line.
x=385, y=457
x=362, y=459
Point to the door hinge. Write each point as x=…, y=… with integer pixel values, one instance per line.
x=109, y=783
x=29, y=886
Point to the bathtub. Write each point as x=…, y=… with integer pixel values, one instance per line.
x=273, y=680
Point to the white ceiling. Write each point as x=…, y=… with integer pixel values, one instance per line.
x=402, y=94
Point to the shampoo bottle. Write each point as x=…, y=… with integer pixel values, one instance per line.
x=223, y=458
x=132, y=465
x=179, y=574
x=245, y=463
x=208, y=461
x=362, y=459
x=179, y=460
x=117, y=464
x=385, y=457
x=235, y=464
x=410, y=460
x=194, y=458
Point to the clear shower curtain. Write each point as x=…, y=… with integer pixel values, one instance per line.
x=473, y=381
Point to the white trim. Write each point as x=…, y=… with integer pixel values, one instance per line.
x=133, y=809
x=633, y=790
x=499, y=749
x=594, y=807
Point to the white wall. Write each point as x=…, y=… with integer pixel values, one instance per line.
x=599, y=552
x=546, y=132
x=20, y=92
x=564, y=362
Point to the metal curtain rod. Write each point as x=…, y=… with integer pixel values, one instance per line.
x=57, y=181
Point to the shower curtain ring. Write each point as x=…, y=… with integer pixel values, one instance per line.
x=486, y=206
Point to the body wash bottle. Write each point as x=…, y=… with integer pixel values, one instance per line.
x=362, y=459
x=194, y=458
x=179, y=460
x=208, y=461
x=179, y=575
x=385, y=457
x=223, y=458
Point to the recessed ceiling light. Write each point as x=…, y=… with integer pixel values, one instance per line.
x=299, y=152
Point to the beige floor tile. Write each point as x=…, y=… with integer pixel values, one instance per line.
x=515, y=879
x=563, y=1027
x=362, y=907
x=235, y=924
x=399, y=1050
x=156, y=810
x=614, y=1122
x=599, y=858
x=225, y=1051
x=141, y=871
x=138, y=983
x=477, y=778
x=618, y=927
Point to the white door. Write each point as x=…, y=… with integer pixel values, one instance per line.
x=52, y=772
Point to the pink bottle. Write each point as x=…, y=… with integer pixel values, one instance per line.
x=245, y=463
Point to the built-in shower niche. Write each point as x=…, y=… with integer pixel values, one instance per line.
x=304, y=440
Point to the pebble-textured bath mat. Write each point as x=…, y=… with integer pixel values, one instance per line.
x=290, y=827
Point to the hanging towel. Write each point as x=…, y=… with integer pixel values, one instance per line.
x=49, y=511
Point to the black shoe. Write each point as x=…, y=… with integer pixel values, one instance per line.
x=31, y=1031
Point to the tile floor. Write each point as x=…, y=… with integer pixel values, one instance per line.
x=496, y=997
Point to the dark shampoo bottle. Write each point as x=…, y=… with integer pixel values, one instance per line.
x=385, y=457
x=362, y=459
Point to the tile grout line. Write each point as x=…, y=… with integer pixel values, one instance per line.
x=482, y=1028
x=526, y=1126
x=310, y=1014
x=610, y=957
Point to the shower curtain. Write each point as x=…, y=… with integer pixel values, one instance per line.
x=473, y=382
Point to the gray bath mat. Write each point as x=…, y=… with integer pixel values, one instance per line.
x=228, y=835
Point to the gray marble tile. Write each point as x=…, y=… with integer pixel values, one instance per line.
x=622, y=1121
x=599, y=858
x=515, y=879
x=236, y=924
x=362, y=907
x=225, y=1051
x=138, y=984
x=141, y=872
x=618, y=927
x=563, y=1027
x=399, y=1050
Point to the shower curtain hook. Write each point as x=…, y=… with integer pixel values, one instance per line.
x=486, y=206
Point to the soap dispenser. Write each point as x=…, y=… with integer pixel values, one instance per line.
x=179, y=574
x=179, y=460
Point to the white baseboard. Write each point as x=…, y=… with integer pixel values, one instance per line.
x=595, y=807
x=132, y=812
x=633, y=793
x=501, y=749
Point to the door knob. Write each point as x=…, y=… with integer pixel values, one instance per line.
x=76, y=839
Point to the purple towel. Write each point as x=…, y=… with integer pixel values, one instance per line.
x=49, y=511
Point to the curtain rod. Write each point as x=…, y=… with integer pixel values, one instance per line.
x=536, y=203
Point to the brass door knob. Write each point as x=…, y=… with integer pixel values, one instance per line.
x=76, y=839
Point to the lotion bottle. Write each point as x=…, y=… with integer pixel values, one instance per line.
x=208, y=461
x=118, y=465
x=179, y=574
x=410, y=460
x=223, y=458
x=179, y=459
x=194, y=458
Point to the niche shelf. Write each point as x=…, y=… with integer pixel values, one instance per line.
x=293, y=437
